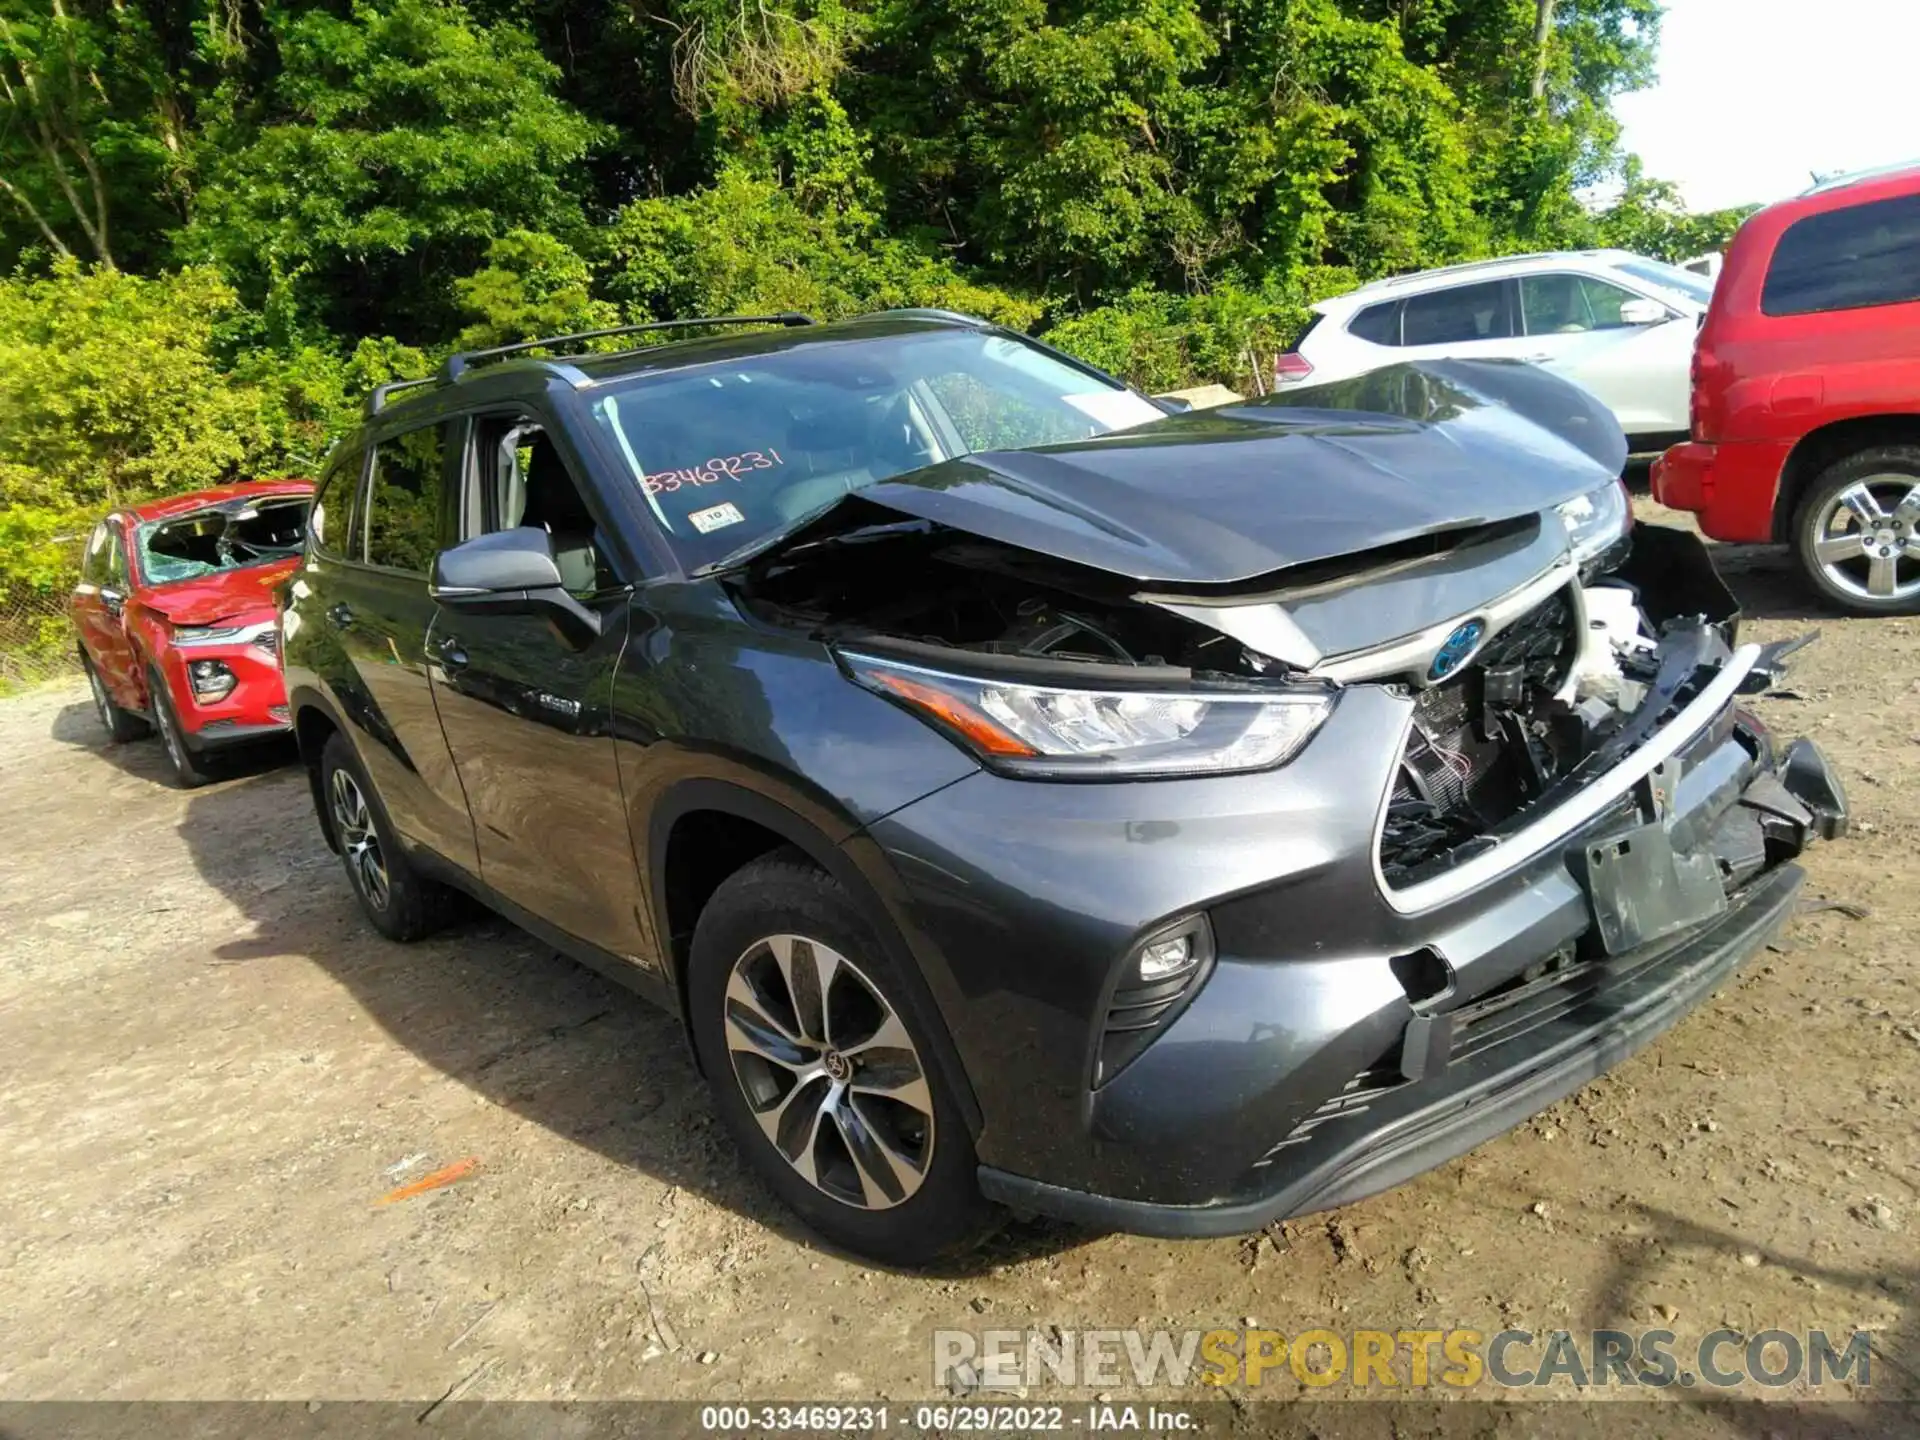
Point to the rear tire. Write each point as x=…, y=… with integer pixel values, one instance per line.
x=1856, y=533
x=188, y=766
x=121, y=725
x=830, y=1090
x=397, y=900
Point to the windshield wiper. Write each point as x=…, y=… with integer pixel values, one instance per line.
x=753, y=549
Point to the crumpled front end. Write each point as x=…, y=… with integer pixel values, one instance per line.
x=1530, y=835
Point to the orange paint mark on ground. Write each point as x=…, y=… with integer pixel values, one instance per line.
x=445, y=1175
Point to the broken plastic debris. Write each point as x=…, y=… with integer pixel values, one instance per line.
x=444, y=1176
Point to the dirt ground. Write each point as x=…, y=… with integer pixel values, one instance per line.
x=211, y=1070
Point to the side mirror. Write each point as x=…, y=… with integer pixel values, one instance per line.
x=506, y=573
x=501, y=566
x=1643, y=312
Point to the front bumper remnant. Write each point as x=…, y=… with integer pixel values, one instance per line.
x=1659, y=932
x=1374, y=1140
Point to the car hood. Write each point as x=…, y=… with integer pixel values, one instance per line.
x=206, y=599
x=1221, y=496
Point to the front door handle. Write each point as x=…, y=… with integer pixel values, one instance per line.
x=340, y=616
x=451, y=654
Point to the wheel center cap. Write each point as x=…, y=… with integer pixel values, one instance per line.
x=838, y=1067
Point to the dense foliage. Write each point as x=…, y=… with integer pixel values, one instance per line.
x=220, y=220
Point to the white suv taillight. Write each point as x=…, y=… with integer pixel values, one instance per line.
x=1291, y=368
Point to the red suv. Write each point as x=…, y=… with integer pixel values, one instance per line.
x=175, y=611
x=1806, y=392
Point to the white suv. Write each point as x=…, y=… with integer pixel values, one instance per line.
x=1618, y=323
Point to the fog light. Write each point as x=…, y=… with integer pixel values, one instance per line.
x=1161, y=973
x=1164, y=959
x=211, y=679
x=1171, y=953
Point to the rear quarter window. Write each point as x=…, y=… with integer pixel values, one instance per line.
x=1379, y=324
x=1851, y=259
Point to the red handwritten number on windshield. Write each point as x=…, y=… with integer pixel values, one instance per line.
x=708, y=472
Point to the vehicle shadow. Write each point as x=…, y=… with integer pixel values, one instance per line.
x=1769, y=585
x=495, y=1010
x=78, y=726
x=1889, y=1405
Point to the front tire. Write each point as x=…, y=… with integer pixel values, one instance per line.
x=189, y=767
x=825, y=1078
x=121, y=725
x=1856, y=533
x=397, y=900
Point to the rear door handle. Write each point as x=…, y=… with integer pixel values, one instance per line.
x=451, y=655
x=340, y=615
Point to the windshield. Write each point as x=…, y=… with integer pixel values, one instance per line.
x=733, y=452
x=222, y=537
x=1669, y=277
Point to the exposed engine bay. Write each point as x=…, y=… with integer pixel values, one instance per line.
x=1509, y=712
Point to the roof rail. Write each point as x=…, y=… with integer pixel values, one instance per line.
x=456, y=365
x=377, y=401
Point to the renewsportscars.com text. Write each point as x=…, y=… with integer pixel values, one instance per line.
x=1389, y=1360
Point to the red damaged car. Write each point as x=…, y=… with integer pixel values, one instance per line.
x=175, y=611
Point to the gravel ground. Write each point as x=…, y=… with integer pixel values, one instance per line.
x=211, y=1070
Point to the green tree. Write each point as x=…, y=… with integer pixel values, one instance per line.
x=380, y=161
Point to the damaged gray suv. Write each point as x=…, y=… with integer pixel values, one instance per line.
x=1032, y=798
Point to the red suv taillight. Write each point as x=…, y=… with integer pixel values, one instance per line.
x=1291, y=368
x=1696, y=421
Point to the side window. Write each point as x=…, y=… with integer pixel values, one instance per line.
x=1378, y=323
x=1847, y=260
x=93, y=562
x=402, y=521
x=1459, y=315
x=521, y=479
x=330, y=522
x=1570, y=304
x=116, y=558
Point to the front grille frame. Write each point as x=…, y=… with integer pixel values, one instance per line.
x=1445, y=764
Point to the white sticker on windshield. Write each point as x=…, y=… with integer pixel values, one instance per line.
x=1115, y=409
x=717, y=518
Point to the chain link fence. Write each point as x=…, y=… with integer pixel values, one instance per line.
x=36, y=634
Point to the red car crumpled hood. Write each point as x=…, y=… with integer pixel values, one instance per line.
x=209, y=598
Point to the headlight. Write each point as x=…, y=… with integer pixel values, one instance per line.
x=258, y=633
x=1597, y=520
x=1062, y=733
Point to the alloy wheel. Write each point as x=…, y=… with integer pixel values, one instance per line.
x=170, y=733
x=359, y=841
x=829, y=1071
x=1866, y=539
